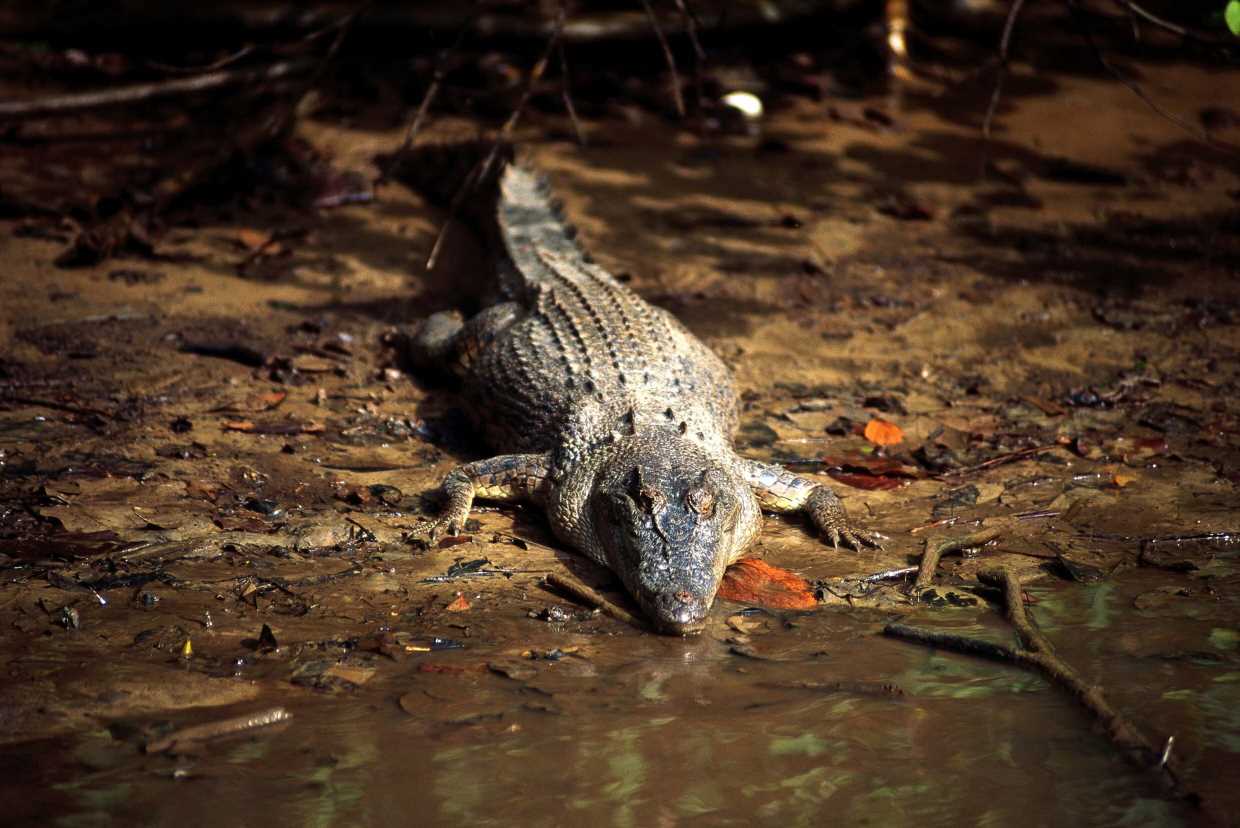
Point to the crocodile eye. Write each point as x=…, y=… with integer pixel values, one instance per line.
x=648, y=498
x=701, y=500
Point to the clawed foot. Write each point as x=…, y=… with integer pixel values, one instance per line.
x=432, y=531
x=828, y=514
x=856, y=538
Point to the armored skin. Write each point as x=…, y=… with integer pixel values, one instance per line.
x=618, y=421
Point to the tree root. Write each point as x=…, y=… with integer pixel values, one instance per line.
x=930, y=558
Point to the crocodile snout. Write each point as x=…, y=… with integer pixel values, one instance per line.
x=680, y=613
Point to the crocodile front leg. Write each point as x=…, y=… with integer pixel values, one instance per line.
x=506, y=477
x=779, y=490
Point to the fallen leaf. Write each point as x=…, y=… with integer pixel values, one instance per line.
x=204, y=489
x=870, y=472
x=284, y=427
x=752, y=581
x=882, y=433
x=868, y=482
x=459, y=604
x=254, y=403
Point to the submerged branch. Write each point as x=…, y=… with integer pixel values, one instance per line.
x=1037, y=652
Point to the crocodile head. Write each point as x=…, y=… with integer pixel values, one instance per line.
x=669, y=519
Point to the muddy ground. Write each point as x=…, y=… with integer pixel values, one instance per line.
x=212, y=462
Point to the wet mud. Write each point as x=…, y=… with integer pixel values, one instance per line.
x=212, y=462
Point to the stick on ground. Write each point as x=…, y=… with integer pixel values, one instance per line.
x=134, y=93
x=591, y=597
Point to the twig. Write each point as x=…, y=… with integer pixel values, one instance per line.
x=72, y=104
x=566, y=94
x=432, y=91
x=951, y=641
x=699, y=54
x=586, y=595
x=1152, y=18
x=859, y=688
x=889, y=575
x=1037, y=652
x=35, y=402
x=1005, y=41
x=482, y=170
x=1183, y=31
x=930, y=558
x=227, y=60
x=691, y=26
x=667, y=56
x=1000, y=460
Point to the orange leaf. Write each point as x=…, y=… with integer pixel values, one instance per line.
x=756, y=582
x=882, y=433
x=459, y=604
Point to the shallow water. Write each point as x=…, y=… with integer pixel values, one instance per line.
x=633, y=729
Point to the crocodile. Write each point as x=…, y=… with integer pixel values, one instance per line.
x=618, y=420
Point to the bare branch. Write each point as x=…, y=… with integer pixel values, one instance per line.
x=667, y=56
x=1009, y=25
x=566, y=93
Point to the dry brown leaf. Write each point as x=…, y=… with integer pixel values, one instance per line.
x=282, y=427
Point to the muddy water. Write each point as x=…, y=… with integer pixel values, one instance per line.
x=210, y=464
x=631, y=729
